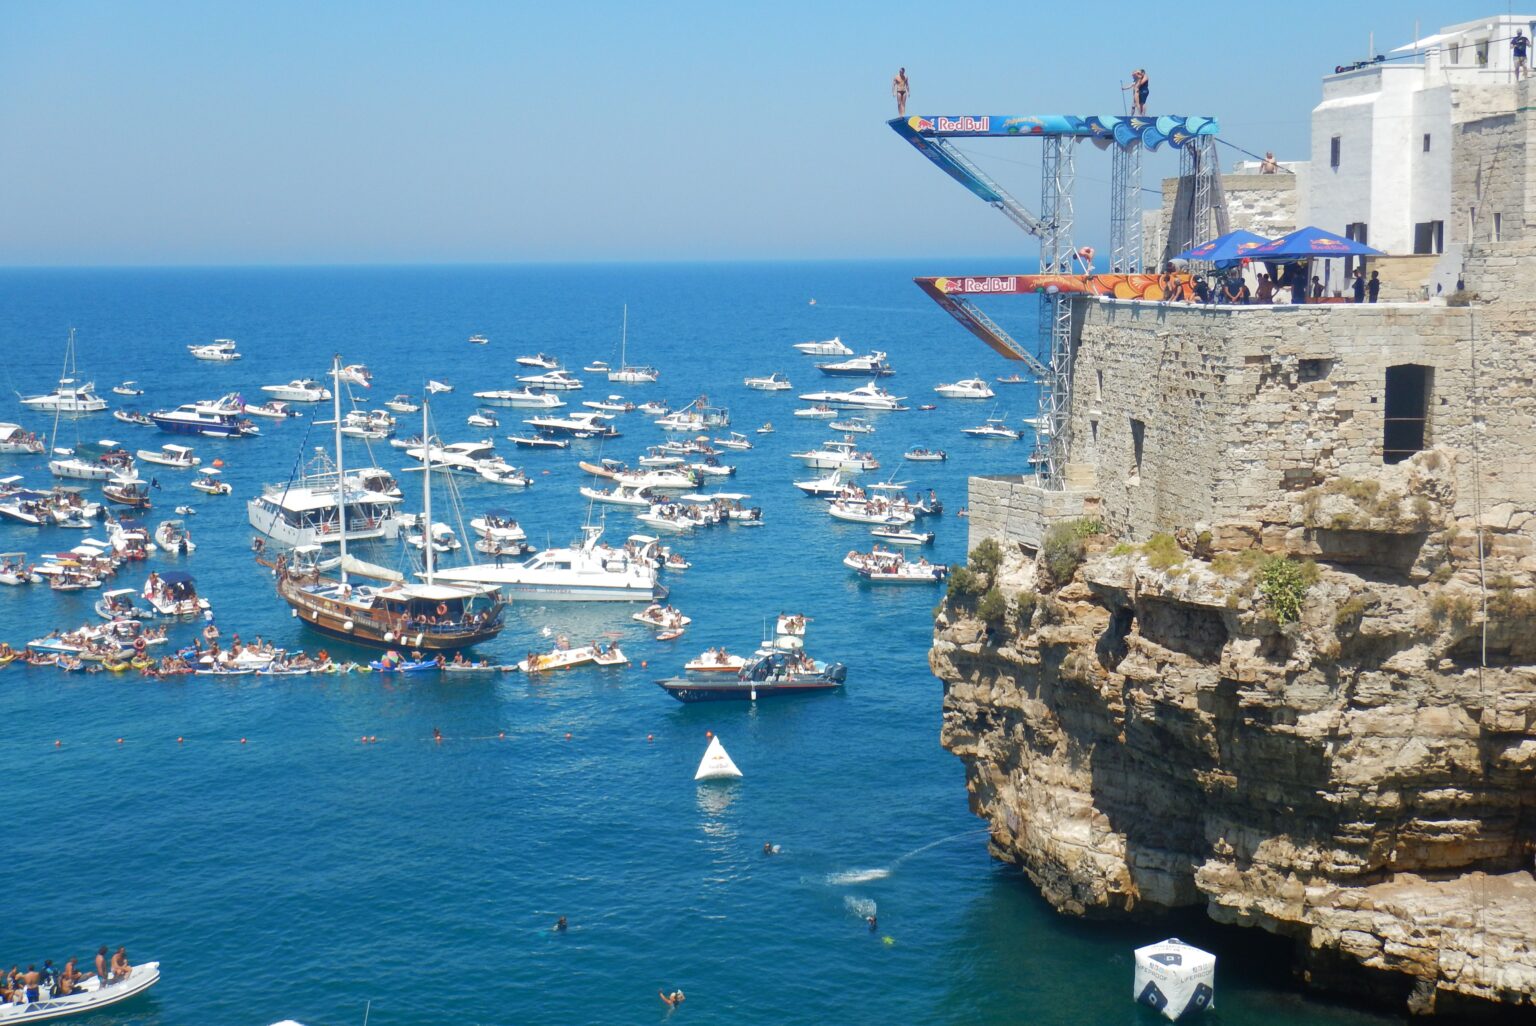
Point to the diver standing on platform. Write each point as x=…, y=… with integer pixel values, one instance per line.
x=900, y=89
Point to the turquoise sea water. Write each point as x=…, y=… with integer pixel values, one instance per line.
x=298, y=873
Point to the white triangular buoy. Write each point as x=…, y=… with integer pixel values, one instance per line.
x=716, y=765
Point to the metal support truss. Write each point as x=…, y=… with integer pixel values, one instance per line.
x=1125, y=245
x=1058, y=178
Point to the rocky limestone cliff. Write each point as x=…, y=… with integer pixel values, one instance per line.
x=1154, y=726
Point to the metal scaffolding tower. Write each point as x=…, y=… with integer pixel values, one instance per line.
x=1125, y=243
x=1058, y=178
x=1206, y=213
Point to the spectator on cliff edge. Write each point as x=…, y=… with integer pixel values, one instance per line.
x=901, y=88
x=1373, y=287
x=1359, y=285
x=1317, y=287
x=1270, y=165
x=1202, y=290
x=1518, y=46
x=1266, y=293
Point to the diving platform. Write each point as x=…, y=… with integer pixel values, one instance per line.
x=1126, y=137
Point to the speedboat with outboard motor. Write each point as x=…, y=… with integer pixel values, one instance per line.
x=774, y=674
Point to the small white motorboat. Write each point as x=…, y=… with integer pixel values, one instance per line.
x=766, y=429
x=597, y=367
x=523, y=398
x=774, y=382
x=853, y=426
x=177, y=457
x=276, y=409
x=186, y=511
x=922, y=455
x=133, y=417
x=89, y=996
x=16, y=439
x=438, y=386
x=483, y=419
x=299, y=390
x=819, y=412
x=118, y=604
x=499, y=471
x=662, y=617
x=403, y=404
x=553, y=380
x=995, y=427
x=479, y=340
x=886, y=567
x=127, y=388
x=830, y=484
x=210, y=483
x=14, y=569
x=537, y=442
x=900, y=536
x=173, y=537
x=735, y=440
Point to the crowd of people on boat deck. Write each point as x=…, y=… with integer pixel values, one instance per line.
x=19, y=987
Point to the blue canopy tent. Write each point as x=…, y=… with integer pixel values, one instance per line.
x=1311, y=242
x=1236, y=245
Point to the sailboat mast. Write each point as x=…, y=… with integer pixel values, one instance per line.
x=426, y=484
x=624, y=339
x=341, y=469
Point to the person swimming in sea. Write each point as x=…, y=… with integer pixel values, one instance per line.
x=560, y=925
x=873, y=923
x=673, y=999
x=769, y=848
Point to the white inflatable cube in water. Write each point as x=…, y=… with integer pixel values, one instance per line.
x=1175, y=978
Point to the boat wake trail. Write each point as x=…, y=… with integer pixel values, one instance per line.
x=859, y=876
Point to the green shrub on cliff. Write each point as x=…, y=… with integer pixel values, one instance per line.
x=986, y=557
x=992, y=608
x=965, y=584
x=1026, y=601
x=1064, y=546
x=1284, y=582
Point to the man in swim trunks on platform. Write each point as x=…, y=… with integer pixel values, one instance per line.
x=900, y=89
x=1141, y=86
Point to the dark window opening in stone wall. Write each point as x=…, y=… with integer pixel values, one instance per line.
x=1405, y=413
x=1313, y=370
x=1138, y=443
x=1333, y=152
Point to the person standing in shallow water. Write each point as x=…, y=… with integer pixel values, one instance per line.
x=900, y=89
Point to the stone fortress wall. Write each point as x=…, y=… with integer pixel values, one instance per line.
x=1143, y=730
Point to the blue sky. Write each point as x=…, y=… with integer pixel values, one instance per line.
x=159, y=132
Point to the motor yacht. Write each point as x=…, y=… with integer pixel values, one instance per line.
x=831, y=483
x=872, y=365
x=456, y=457
x=526, y=398
x=866, y=397
x=479, y=340
x=219, y=351
x=554, y=380
x=304, y=511
x=774, y=382
x=585, y=571
x=966, y=388
x=16, y=439
x=299, y=390
x=69, y=397
x=831, y=347
x=199, y=419
x=837, y=456
x=583, y=424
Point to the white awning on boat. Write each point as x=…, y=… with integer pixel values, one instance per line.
x=362, y=568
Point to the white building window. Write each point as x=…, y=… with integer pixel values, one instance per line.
x=1498, y=227
x=1454, y=49
x=1426, y=142
x=1333, y=151
x=1482, y=54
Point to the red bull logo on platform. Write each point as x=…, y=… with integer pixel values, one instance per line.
x=965, y=123
x=982, y=285
x=918, y=124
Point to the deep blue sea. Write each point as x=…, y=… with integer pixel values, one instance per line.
x=299, y=873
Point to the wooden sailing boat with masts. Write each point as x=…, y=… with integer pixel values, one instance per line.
x=381, y=608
